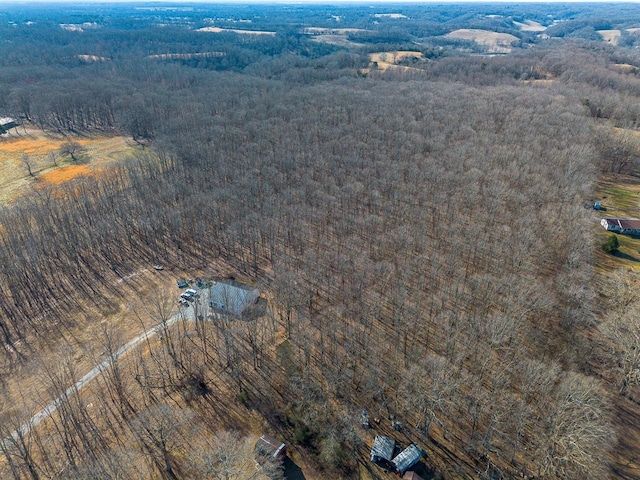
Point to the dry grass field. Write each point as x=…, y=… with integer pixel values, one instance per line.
x=101, y=151
x=331, y=31
x=495, y=42
x=91, y=58
x=386, y=60
x=610, y=36
x=339, y=40
x=66, y=173
x=235, y=30
x=333, y=36
x=383, y=61
x=186, y=56
x=530, y=26
x=395, y=16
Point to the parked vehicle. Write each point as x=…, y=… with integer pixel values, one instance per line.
x=187, y=298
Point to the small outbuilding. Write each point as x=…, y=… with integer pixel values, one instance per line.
x=7, y=123
x=383, y=450
x=232, y=297
x=407, y=458
x=268, y=448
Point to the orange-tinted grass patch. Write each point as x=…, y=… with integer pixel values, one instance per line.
x=64, y=174
x=35, y=146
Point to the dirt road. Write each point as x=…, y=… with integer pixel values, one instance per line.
x=184, y=313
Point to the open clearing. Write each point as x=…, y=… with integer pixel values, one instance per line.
x=331, y=31
x=530, y=26
x=234, y=30
x=101, y=151
x=495, y=42
x=339, y=40
x=186, y=56
x=389, y=15
x=334, y=36
x=386, y=60
x=620, y=195
x=610, y=36
x=91, y=58
x=625, y=67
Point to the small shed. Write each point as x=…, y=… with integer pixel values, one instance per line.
x=7, y=123
x=232, y=297
x=268, y=448
x=382, y=450
x=407, y=458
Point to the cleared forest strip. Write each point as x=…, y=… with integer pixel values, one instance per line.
x=186, y=56
x=235, y=30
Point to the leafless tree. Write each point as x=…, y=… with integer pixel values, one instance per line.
x=28, y=164
x=227, y=456
x=159, y=430
x=578, y=434
x=74, y=150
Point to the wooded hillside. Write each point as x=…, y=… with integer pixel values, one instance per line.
x=424, y=239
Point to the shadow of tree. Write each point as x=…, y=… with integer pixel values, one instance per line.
x=625, y=256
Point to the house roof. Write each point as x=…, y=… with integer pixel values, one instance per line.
x=624, y=223
x=271, y=446
x=6, y=120
x=233, y=295
x=407, y=458
x=383, y=447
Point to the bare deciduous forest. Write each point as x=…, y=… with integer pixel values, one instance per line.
x=422, y=234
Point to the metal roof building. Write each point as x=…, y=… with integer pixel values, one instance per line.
x=407, y=458
x=232, y=297
x=382, y=450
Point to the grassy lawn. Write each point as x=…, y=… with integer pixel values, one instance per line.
x=620, y=195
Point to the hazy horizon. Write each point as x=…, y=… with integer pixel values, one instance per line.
x=314, y=2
